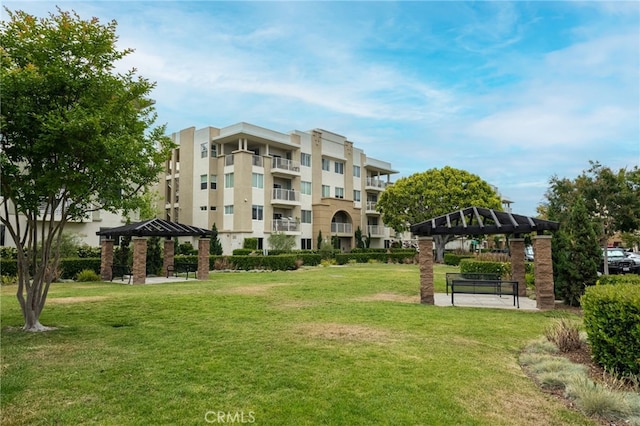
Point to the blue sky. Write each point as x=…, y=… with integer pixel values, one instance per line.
x=515, y=92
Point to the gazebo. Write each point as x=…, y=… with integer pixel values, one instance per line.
x=483, y=221
x=153, y=228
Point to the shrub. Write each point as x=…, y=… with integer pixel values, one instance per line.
x=186, y=249
x=594, y=399
x=86, y=250
x=242, y=252
x=9, y=266
x=618, y=279
x=250, y=243
x=454, y=259
x=565, y=335
x=8, y=253
x=485, y=267
x=71, y=267
x=87, y=275
x=9, y=280
x=611, y=318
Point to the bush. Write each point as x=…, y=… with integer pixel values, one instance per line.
x=87, y=275
x=482, y=267
x=9, y=266
x=250, y=243
x=611, y=319
x=400, y=257
x=86, y=250
x=186, y=249
x=243, y=252
x=71, y=267
x=8, y=253
x=618, y=279
x=565, y=335
x=454, y=259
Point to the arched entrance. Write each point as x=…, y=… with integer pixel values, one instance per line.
x=342, y=230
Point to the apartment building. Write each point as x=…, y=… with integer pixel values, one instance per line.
x=253, y=182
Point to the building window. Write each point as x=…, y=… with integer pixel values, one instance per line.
x=228, y=209
x=212, y=208
x=204, y=150
x=339, y=167
x=305, y=188
x=305, y=244
x=339, y=192
x=228, y=180
x=305, y=159
x=305, y=216
x=326, y=191
x=213, y=181
x=203, y=181
x=257, y=180
x=257, y=212
x=326, y=164
x=214, y=150
x=203, y=208
x=356, y=171
x=387, y=244
x=356, y=195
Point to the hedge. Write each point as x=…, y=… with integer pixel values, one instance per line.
x=69, y=267
x=612, y=322
x=454, y=259
x=484, y=267
x=9, y=267
x=618, y=279
x=402, y=257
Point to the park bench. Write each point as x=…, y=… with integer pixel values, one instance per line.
x=121, y=271
x=481, y=283
x=182, y=267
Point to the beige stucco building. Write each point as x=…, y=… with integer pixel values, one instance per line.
x=252, y=182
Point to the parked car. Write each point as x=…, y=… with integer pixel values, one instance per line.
x=621, y=262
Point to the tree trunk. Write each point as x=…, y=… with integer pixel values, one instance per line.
x=440, y=242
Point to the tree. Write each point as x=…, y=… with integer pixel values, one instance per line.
x=75, y=137
x=215, y=248
x=612, y=200
x=433, y=193
x=579, y=254
x=154, y=256
x=359, y=238
x=281, y=241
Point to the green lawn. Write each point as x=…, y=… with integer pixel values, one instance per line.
x=341, y=345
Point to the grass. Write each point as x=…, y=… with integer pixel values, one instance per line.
x=336, y=345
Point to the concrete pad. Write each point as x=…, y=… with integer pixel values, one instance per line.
x=484, y=301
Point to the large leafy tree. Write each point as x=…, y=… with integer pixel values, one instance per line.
x=612, y=199
x=75, y=136
x=433, y=193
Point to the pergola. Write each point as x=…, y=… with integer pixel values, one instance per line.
x=153, y=228
x=483, y=221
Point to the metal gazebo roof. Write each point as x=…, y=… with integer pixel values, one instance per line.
x=481, y=221
x=155, y=228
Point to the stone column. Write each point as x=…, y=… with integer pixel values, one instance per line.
x=517, y=264
x=545, y=297
x=426, y=270
x=106, y=260
x=203, y=258
x=139, y=260
x=168, y=255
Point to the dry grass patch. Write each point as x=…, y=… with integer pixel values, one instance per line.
x=390, y=297
x=75, y=299
x=345, y=332
x=252, y=290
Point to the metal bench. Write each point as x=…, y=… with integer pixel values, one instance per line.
x=121, y=271
x=450, y=276
x=480, y=286
x=184, y=267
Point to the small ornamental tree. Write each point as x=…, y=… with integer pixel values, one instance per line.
x=215, y=248
x=75, y=135
x=281, y=241
x=578, y=266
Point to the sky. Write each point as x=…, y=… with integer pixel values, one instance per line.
x=514, y=92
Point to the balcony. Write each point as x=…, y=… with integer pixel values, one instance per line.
x=287, y=197
x=375, y=230
x=285, y=225
x=257, y=161
x=375, y=184
x=341, y=228
x=228, y=160
x=283, y=166
x=370, y=208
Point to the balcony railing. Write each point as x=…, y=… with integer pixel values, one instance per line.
x=375, y=230
x=376, y=183
x=284, y=164
x=371, y=206
x=257, y=161
x=285, y=225
x=228, y=160
x=341, y=228
x=285, y=194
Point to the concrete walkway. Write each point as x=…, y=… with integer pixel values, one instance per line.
x=484, y=301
